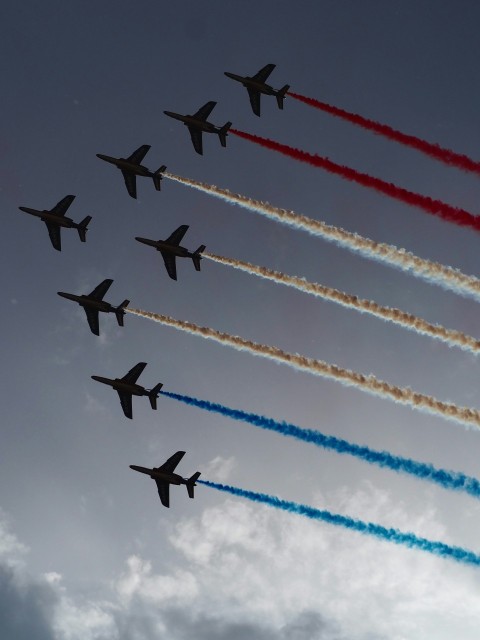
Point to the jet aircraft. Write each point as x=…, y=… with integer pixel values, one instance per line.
x=131, y=167
x=126, y=387
x=164, y=476
x=55, y=219
x=256, y=85
x=170, y=249
x=197, y=124
x=93, y=303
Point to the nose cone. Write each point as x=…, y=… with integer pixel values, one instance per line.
x=102, y=379
x=171, y=114
x=109, y=159
x=146, y=241
x=140, y=469
x=68, y=296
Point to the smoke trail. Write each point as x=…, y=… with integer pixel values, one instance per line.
x=447, y=277
x=434, y=150
x=452, y=480
x=434, y=207
x=369, y=384
x=367, y=528
x=407, y=320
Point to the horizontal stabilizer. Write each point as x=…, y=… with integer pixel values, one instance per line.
x=120, y=313
x=157, y=177
x=153, y=395
x=281, y=95
x=196, y=257
x=222, y=134
x=191, y=483
x=82, y=228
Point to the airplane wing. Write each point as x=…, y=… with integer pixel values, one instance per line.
x=130, y=182
x=61, y=207
x=177, y=236
x=126, y=402
x=170, y=465
x=263, y=74
x=205, y=111
x=54, y=233
x=134, y=373
x=92, y=317
x=254, y=96
x=101, y=289
x=170, y=264
x=164, y=492
x=138, y=155
x=196, y=136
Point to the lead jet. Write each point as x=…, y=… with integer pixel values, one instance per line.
x=171, y=249
x=55, y=219
x=255, y=85
x=197, y=124
x=126, y=387
x=131, y=167
x=93, y=303
x=164, y=476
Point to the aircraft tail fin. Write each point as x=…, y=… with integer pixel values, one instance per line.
x=119, y=312
x=222, y=134
x=191, y=483
x=281, y=95
x=153, y=395
x=196, y=257
x=82, y=228
x=157, y=177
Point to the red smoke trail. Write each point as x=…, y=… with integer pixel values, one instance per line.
x=434, y=150
x=435, y=207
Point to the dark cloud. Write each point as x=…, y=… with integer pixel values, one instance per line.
x=179, y=624
x=26, y=610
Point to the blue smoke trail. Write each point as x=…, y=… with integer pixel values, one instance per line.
x=453, y=480
x=367, y=528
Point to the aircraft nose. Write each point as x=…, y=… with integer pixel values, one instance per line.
x=69, y=296
x=99, y=379
x=142, y=240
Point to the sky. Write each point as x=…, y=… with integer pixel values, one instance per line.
x=86, y=549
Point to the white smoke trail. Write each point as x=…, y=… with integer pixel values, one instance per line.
x=369, y=384
x=407, y=320
x=433, y=272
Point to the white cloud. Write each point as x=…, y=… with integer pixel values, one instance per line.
x=163, y=590
x=243, y=570
x=12, y=552
x=53, y=577
x=256, y=563
x=84, y=621
x=219, y=469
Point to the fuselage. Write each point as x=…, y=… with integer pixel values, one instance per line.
x=125, y=165
x=247, y=82
x=86, y=301
x=122, y=385
x=160, y=245
x=171, y=478
x=48, y=216
x=191, y=121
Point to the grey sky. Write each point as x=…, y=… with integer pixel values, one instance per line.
x=81, y=78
